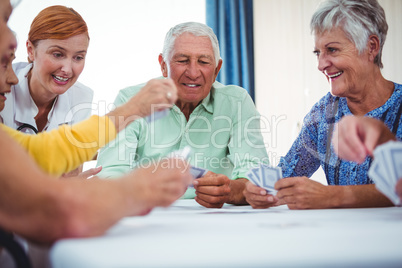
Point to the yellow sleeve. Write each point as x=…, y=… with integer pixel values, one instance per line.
x=64, y=149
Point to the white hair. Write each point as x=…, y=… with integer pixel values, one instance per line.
x=195, y=28
x=358, y=18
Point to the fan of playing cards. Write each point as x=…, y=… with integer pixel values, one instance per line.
x=265, y=177
x=386, y=169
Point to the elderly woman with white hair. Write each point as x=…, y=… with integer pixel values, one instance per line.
x=349, y=37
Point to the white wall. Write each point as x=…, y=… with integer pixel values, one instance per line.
x=287, y=80
x=126, y=37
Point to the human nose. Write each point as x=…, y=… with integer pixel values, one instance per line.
x=323, y=62
x=67, y=67
x=12, y=79
x=193, y=70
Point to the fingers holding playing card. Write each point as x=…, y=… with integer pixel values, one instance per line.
x=184, y=153
x=258, y=197
x=260, y=191
x=197, y=173
x=212, y=190
x=265, y=177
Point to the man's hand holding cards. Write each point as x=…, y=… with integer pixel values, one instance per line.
x=265, y=176
x=197, y=173
x=184, y=153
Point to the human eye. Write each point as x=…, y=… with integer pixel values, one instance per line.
x=6, y=17
x=204, y=62
x=79, y=57
x=57, y=54
x=6, y=60
x=182, y=61
x=332, y=50
x=316, y=52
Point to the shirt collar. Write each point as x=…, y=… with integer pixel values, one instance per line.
x=207, y=102
x=25, y=107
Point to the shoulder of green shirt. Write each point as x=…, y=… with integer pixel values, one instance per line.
x=126, y=93
x=219, y=88
x=229, y=90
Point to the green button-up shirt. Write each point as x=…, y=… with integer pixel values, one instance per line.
x=223, y=132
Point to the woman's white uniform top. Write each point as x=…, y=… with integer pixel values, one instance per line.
x=69, y=108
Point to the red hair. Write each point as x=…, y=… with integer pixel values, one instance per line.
x=56, y=22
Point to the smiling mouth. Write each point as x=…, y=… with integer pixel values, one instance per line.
x=191, y=85
x=59, y=78
x=334, y=75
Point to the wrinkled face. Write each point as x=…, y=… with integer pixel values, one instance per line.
x=7, y=76
x=8, y=45
x=192, y=67
x=57, y=63
x=339, y=61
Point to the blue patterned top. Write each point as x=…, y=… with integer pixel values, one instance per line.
x=313, y=147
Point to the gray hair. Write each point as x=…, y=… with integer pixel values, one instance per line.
x=195, y=28
x=358, y=18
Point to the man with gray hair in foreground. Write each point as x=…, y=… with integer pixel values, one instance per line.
x=219, y=123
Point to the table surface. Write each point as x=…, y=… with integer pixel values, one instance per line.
x=189, y=235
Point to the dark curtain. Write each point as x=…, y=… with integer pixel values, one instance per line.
x=232, y=22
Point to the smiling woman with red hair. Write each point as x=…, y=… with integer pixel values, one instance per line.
x=57, y=22
x=48, y=93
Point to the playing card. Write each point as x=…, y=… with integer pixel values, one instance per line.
x=381, y=157
x=253, y=178
x=198, y=172
x=270, y=175
x=378, y=175
x=257, y=175
x=386, y=169
x=380, y=169
x=157, y=115
x=265, y=177
x=394, y=158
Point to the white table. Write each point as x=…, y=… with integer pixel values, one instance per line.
x=188, y=235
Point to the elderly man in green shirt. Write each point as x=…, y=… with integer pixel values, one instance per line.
x=220, y=123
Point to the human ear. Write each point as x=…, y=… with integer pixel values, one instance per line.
x=373, y=47
x=218, y=68
x=163, y=65
x=30, y=51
